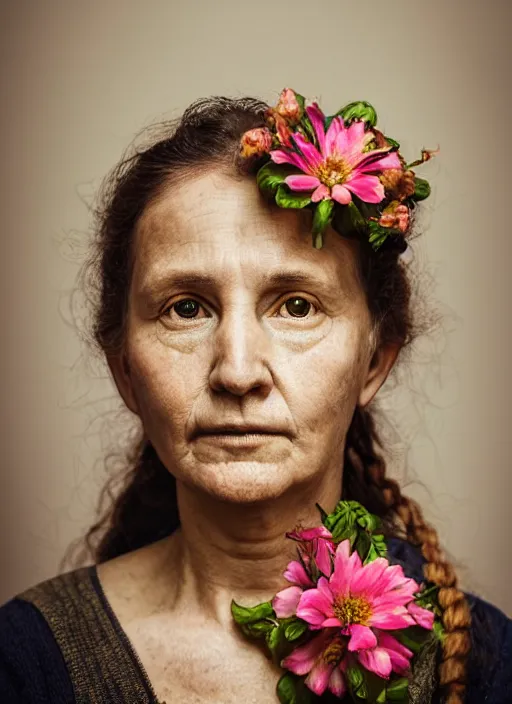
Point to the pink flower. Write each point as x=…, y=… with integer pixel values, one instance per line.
x=323, y=658
x=360, y=602
x=288, y=106
x=341, y=167
x=316, y=548
x=255, y=142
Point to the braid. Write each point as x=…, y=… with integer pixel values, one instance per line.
x=365, y=481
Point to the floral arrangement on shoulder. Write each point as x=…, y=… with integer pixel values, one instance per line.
x=351, y=625
x=318, y=162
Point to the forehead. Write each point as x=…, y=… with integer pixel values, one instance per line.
x=221, y=224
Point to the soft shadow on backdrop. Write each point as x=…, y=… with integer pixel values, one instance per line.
x=80, y=79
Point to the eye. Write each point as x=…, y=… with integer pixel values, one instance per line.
x=297, y=306
x=185, y=308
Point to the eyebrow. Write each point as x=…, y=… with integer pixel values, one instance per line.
x=275, y=279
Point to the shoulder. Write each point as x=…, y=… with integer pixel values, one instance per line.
x=489, y=668
x=31, y=662
x=490, y=659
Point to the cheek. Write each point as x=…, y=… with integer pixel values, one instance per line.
x=323, y=385
x=166, y=384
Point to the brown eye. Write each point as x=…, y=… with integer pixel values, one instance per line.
x=297, y=306
x=186, y=308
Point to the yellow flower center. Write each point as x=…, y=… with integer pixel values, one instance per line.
x=334, y=652
x=333, y=170
x=353, y=610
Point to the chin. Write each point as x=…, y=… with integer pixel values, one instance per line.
x=242, y=481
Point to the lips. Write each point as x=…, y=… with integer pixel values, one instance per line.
x=232, y=429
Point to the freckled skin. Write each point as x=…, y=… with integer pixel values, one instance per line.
x=243, y=356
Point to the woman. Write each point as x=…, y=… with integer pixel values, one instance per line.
x=251, y=359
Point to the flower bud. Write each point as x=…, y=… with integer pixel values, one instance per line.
x=255, y=142
x=396, y=216
x=288, y=106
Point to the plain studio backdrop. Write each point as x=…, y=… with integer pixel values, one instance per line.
x=81, y=78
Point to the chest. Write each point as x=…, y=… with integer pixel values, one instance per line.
x=195, y=667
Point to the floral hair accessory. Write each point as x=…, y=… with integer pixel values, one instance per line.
x=350, y=625
x=340, y=166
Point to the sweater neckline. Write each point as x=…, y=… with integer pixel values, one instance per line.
x=122, y=635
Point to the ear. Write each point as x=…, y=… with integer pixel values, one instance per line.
x=381, y=364
x=120, y=369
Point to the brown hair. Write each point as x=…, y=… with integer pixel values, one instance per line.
x=143, y=508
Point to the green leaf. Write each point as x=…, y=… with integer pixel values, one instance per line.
x=355, y=216
x=258, y=629
x=308, y=129
x=294, y=630
x=244, y=614
x=357, y=681
x=413, y=638
x=271, y=176
x=379, y=545
x=363, y=544
x=393, y=142
x=301, y=100
x=359, y=110
x=439, y=630
x=285, y=198
x=421, y=189
x=321, y=219
x=286, y=689
x=397, y=691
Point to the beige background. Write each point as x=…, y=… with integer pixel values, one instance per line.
x=80, y=78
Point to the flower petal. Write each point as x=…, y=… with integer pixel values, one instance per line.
x=361, y=638
x=368, y=188
x=392, y=619
x=423, y=617
x=318, y=121
x=337, y=683
x=310, y=534
x=345, y=566
x=376, y=660
x=321, y=193
x=318, y=678
x=400, y=656
x=332, y=622
x=285, y=602
x=296, y=574
x=301, y=659
x=341, y=194
x=281, y=156
x=324, y=552
x=337, y=125
x=367, y=580
x=350, y=142
x=314, y=607
x=308, y=150
x=302, y=183
x=387, y=161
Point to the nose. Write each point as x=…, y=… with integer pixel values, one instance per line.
x=242, y=349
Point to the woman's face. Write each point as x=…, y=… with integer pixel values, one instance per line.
x=235, y=319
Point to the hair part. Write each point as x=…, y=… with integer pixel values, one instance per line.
x=139, y=506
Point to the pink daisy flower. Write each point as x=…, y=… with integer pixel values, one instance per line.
x=340, y=168
x=353, y=609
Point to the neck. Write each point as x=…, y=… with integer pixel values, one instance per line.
x=226, y=551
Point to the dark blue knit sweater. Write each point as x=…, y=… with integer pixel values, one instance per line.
x=33, y=670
